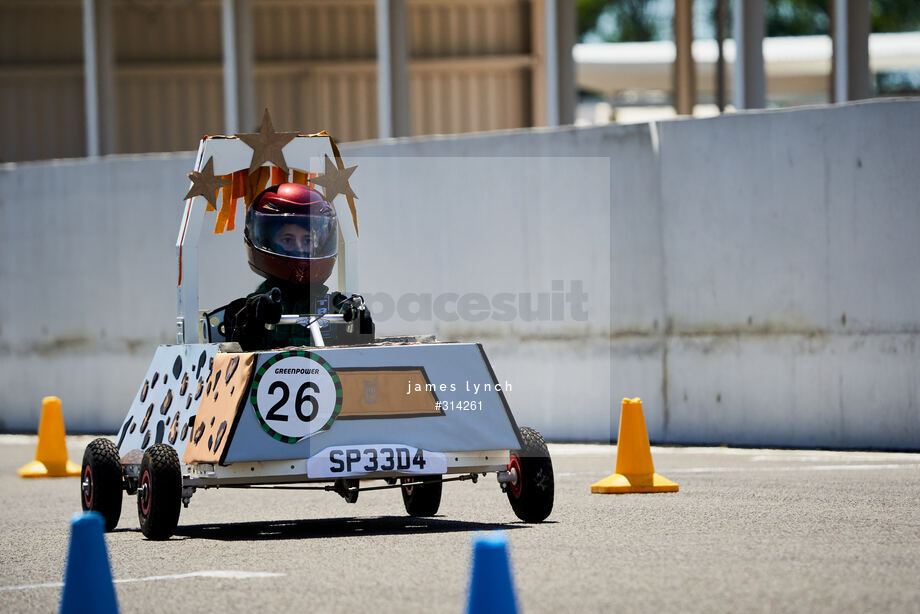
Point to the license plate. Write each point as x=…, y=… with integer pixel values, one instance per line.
x=348, y=461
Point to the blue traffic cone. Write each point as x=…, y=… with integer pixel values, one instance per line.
x=491, y=587
x=88, y=580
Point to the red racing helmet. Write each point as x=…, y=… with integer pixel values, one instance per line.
x=291, y=234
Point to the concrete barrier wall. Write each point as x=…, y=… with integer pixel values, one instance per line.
x=754, y=278
x=791, y=277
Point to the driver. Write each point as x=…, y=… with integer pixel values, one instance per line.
x=291, y=239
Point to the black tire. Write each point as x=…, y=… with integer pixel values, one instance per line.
x=159, y=493
x=531, y=496
x=101, y=481
x=422, y=497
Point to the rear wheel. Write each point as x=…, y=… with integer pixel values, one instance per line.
x=101, y=481
x=531, y=494
x=159, y=494
x=422, y=496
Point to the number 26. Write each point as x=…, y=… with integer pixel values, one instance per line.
x=302, y=397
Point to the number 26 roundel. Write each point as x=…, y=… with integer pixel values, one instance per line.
x=295, y=394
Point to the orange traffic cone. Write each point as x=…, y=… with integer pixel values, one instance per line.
x=634, y=470
x=51, y=454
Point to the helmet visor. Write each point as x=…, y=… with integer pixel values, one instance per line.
x=295, y=235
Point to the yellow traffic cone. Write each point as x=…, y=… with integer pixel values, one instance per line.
x=634, y=471
x=51, y=454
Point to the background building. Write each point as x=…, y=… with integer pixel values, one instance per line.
x=91, y=77
x=154, y=70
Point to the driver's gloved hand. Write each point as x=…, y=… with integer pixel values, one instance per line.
x=264, y=308
x=246, y=319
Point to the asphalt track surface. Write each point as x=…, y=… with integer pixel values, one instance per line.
x=750, y=530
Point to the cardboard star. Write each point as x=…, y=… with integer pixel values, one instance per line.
x=205, y=184
x=335, y=181
x=267, y=144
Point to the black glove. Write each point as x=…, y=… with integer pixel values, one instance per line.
x=246, y=318
x=264, y=308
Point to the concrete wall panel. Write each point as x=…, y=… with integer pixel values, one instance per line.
x=745, y=248
x=754, y=278
x=793, y=390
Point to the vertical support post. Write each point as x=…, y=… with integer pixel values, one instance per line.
x=559, y=66
x=392, y=69
x=551, y=63
x=99, y=77
x=538, y=53
x=851, y=25
x=566, y=18
x=720, y=61
x=684, y=66
x=749, y=79
x=239, y=85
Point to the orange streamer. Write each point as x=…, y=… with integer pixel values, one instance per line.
x=226, y=217
x=278, y=176
x=239, y=183
x=209, y=206
x=255, y=183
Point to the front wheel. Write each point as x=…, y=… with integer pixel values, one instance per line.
x=531, y=494
x=422, y=497
x=101, y=481
x=159, y=495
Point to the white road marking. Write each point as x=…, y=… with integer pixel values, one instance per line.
x=80, y=441
x=756, y=454
x=18, y=440
x=762, y=469
x=229, y=574
x=772, y=454
x=819, y=456
x=581, y=449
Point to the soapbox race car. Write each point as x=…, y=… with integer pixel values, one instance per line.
x=318, y=416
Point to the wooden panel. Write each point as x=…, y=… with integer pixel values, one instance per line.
x=42, y=114
x=41, y=31
x=340, y=97
x=167, y=30
x=314, y=29
x=464, y=95
x=473, y=68
x=387, y=393
x=225, y=396
x=41, y=80
x=450, y=28
x=164, y=109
